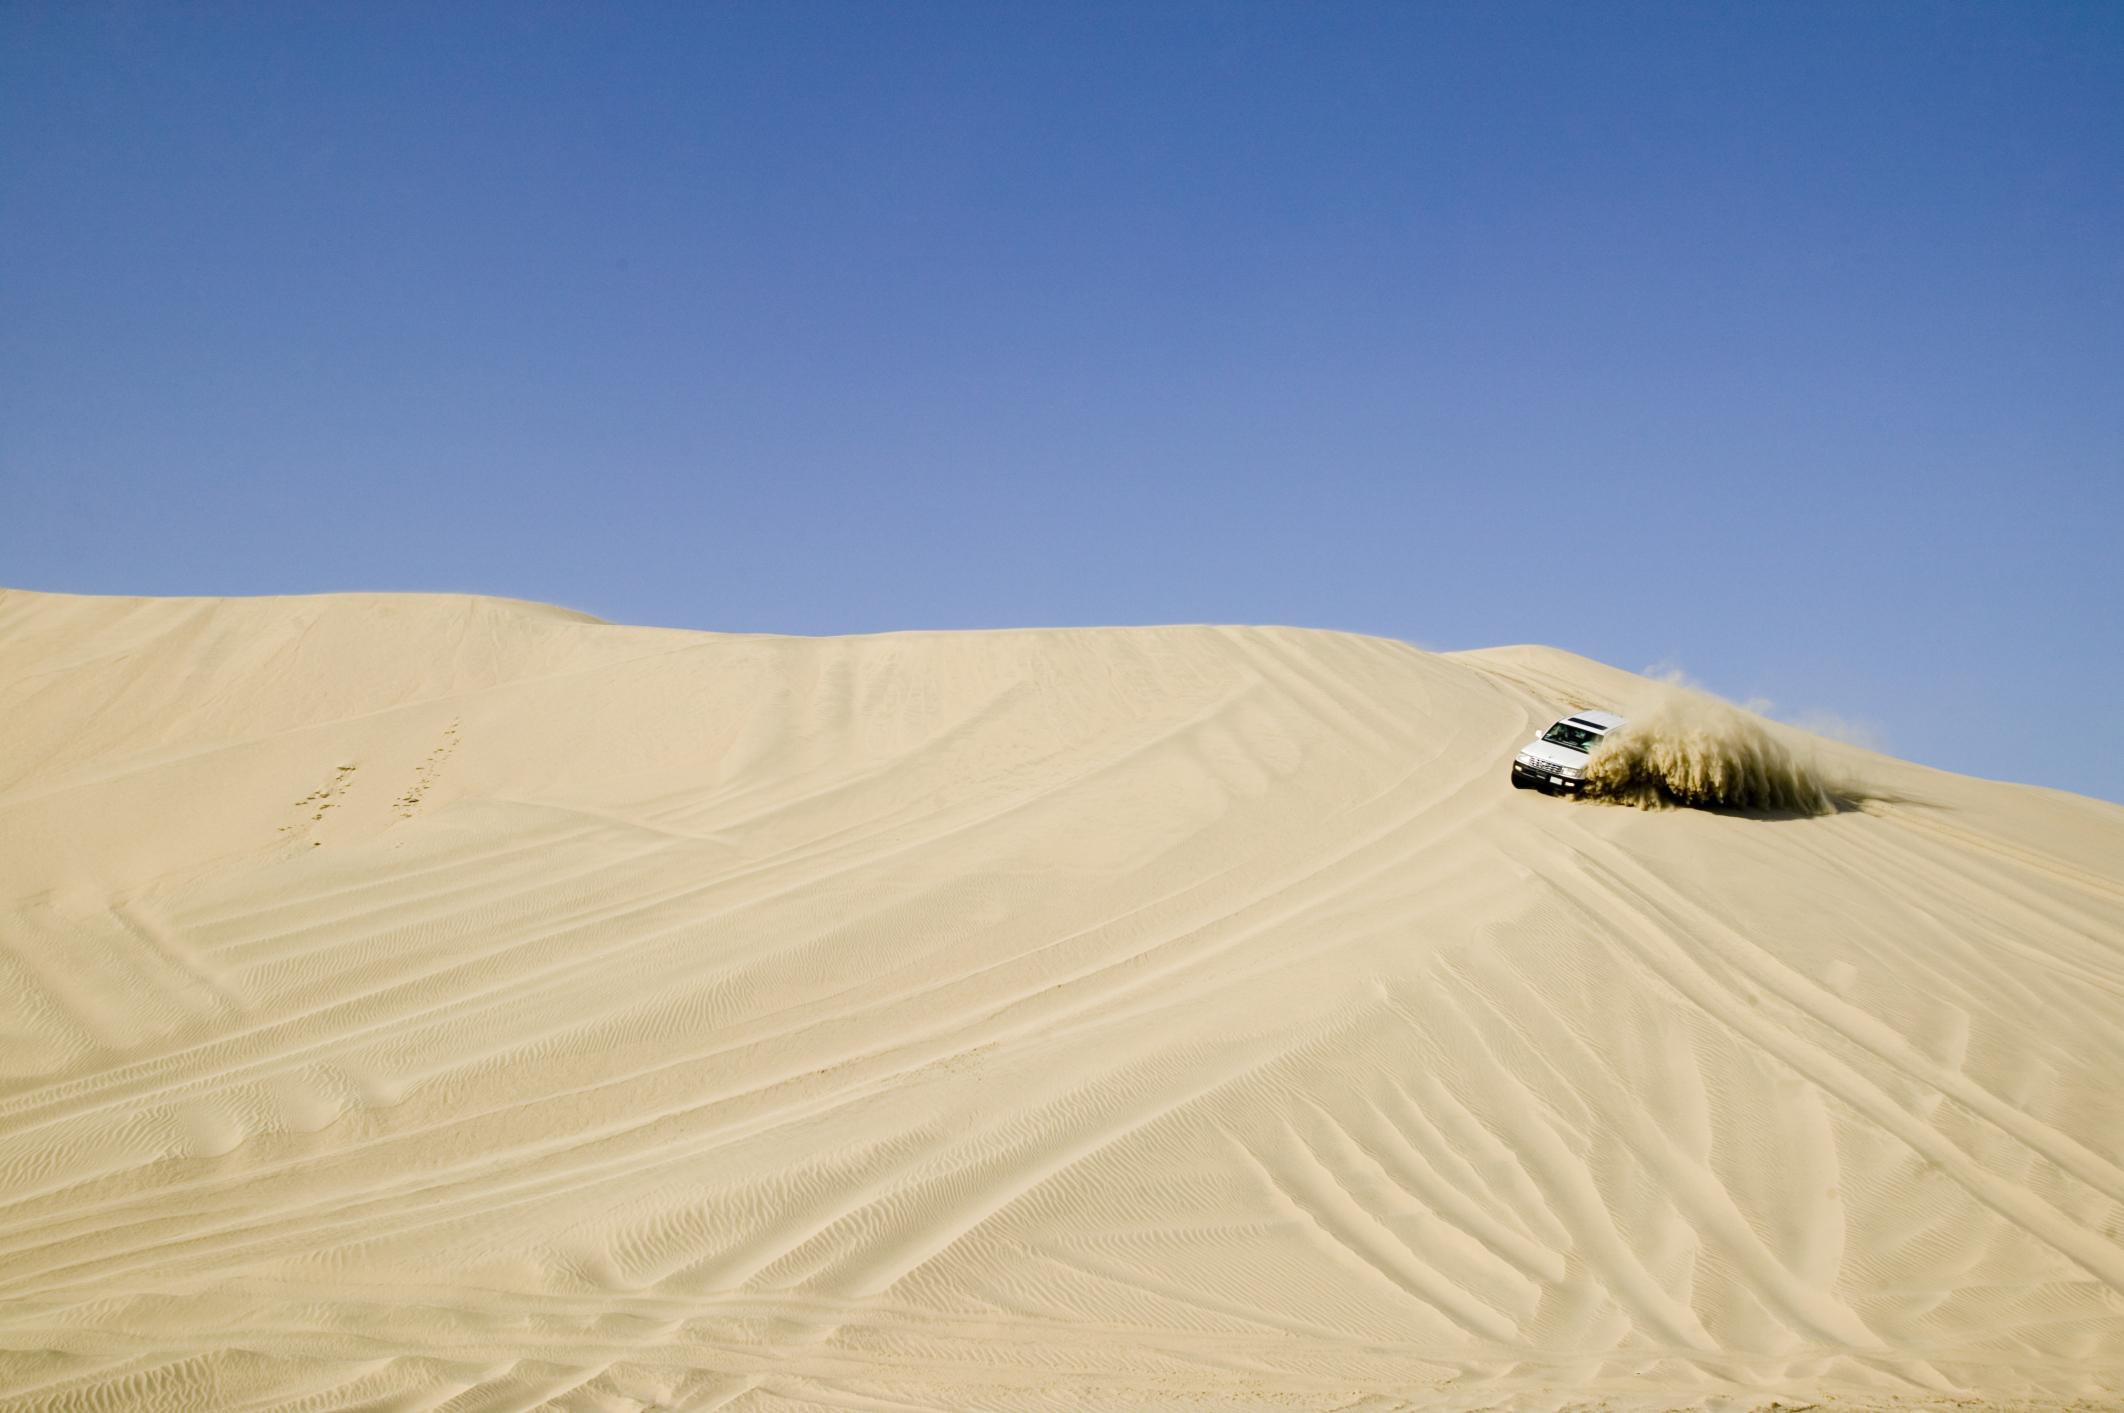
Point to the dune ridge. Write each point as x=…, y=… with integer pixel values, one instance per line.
x=425, y=1002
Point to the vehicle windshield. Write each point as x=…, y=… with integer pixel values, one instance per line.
x=1563, y=733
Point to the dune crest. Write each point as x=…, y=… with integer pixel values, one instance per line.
x=449, y=1003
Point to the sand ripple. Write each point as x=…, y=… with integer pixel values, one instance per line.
x=451, y=1003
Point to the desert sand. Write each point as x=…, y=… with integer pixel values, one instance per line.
x=446, y=1003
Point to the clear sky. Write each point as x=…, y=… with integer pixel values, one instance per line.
x=1783, y=343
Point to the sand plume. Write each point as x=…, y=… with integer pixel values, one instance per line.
x=1686, y=748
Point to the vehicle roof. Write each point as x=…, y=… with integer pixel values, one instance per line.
x=1597, y=720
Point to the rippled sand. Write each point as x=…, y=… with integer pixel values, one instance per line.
x=428, y=1003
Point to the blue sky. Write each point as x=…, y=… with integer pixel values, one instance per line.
x=1782, y=343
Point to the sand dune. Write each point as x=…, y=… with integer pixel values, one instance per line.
x=460, y=1004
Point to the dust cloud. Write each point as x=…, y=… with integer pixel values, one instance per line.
x=1684, y=748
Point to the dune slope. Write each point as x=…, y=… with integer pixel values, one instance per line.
x=447, y=1003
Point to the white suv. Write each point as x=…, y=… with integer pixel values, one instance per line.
x=1555, y=762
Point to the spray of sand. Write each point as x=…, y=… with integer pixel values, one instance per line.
x=1686, y=748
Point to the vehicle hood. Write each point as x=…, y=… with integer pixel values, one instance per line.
x=1549, y=753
